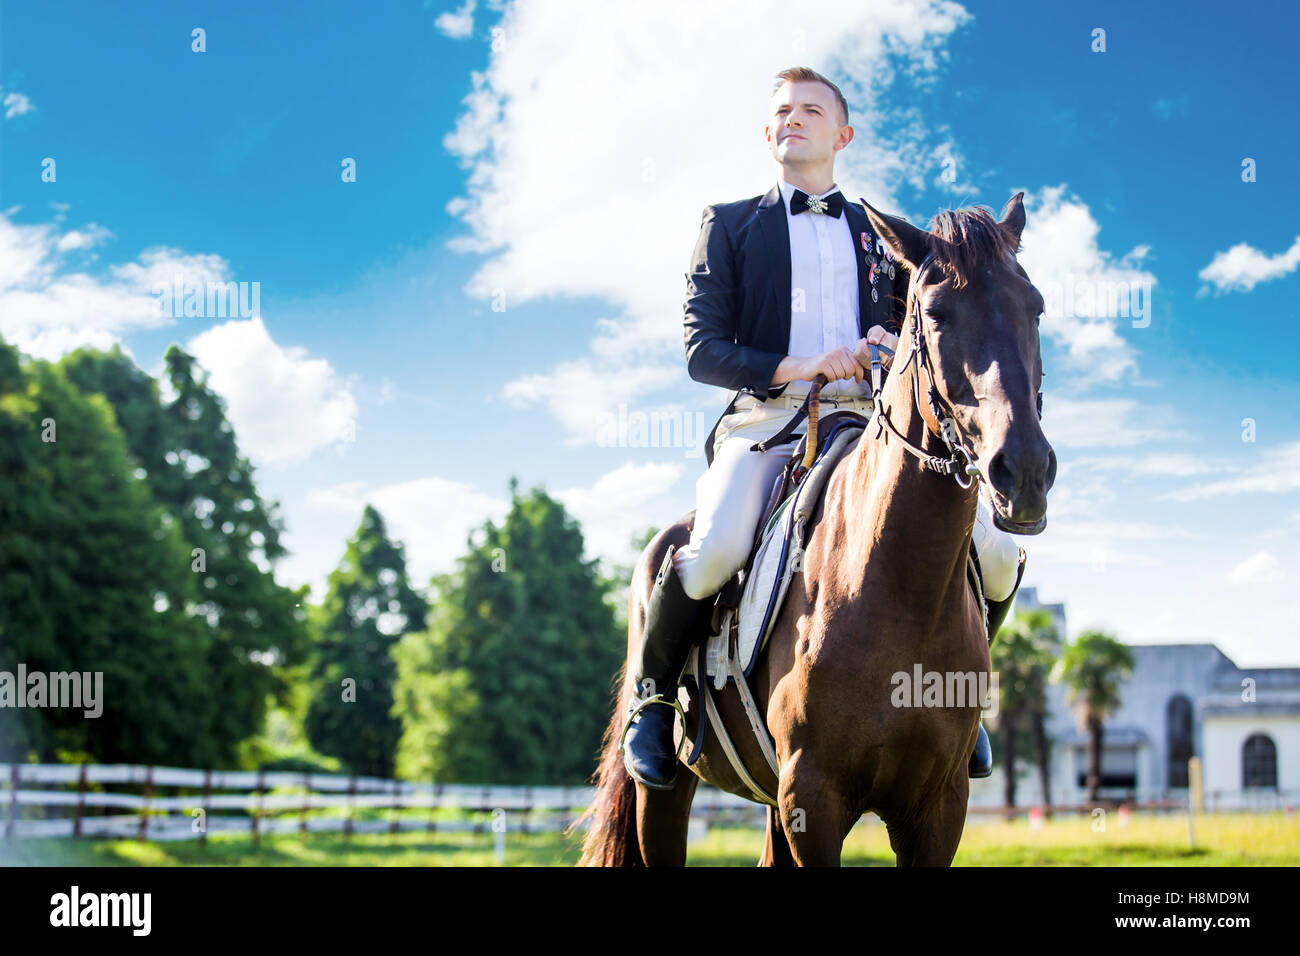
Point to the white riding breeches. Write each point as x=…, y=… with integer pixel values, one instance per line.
x=730, y=495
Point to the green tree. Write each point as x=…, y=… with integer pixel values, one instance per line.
x=93, y=578
x=1092, y=668
x=187, y=449
x=1023, y=656
x=368, y=608
x=519, y=656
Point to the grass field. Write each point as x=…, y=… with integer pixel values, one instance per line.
x=1147, y=840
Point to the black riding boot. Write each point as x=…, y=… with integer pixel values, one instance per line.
x=672, y=619
x=981, y=761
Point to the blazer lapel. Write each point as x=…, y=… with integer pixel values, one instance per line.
x=859, y=224
x=776, y=250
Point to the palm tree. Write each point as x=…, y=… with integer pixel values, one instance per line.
x=1022, y=657
x=1093, y=667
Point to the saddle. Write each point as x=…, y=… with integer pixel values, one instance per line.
x=749, y=603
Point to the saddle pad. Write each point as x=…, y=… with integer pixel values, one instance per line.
x=779, y=557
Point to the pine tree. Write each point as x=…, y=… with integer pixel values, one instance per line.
x=368, y=608
x=521, y=654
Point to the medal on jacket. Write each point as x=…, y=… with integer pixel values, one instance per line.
x=867, y=244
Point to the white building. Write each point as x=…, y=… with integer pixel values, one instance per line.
x=1182, y=700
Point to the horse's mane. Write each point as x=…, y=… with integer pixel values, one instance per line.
x=959, y=239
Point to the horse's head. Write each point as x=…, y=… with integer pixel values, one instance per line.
x=978, y=317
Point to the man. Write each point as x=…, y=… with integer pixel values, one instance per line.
x=782, y=287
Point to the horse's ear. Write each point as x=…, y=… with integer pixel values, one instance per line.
x=904, y=240
x=1013, y=215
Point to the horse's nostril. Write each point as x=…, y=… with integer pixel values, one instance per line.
x=1051, y=467
x=1002, y=475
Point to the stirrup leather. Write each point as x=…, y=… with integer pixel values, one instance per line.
x=653, y=699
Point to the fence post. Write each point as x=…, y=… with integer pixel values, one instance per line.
x=397, y=807
x=257, y=813
x=11, y=826
x=1194, y=799
x=207, y=792
x=352, y=809
x=306, y=804
x=144, y=809
x=81, y=803
x=435, y=798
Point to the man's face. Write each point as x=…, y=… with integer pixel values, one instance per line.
x=803, y=124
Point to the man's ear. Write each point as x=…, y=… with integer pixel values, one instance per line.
x=904, y=240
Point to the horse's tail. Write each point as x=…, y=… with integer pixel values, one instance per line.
x=611, y=839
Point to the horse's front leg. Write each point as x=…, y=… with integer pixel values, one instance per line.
x=815, y=816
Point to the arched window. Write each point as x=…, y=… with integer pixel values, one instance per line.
x=1259, y=761
x=1178, y=739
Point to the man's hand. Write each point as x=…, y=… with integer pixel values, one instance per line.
x=836, y=364
x=840, y=363
x=876, y=335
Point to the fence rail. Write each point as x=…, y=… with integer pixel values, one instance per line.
x=288, y=802
x=296, y=802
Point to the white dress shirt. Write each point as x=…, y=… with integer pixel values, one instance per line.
x=823, y=289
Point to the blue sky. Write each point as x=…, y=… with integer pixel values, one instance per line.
x=507, y=269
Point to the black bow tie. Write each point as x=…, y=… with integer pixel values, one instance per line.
x=830, y=205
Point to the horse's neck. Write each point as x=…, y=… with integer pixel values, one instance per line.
x=912, y=525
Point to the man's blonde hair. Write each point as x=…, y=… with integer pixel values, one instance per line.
x=802, y=74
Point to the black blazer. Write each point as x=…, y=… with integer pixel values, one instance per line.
x=738, y=294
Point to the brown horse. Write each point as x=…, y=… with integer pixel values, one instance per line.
x=883, y=586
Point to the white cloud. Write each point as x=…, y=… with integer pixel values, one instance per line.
x=1262, y=567
x=1243, y=267
x=656, y=144
x=1277, y=471
x=619, y=504
x=76, y=239
x=1090, y=539
x=582, y=394
x=432, y=517
x=48, y=308
x=1105, y=422
x=457, y=24
x=16, y=104
x=1088, y=290
x=283, y=404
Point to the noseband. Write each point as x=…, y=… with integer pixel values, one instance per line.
x=957, y=449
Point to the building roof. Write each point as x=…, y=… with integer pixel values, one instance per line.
x=1124, y=736
x=1231, y=705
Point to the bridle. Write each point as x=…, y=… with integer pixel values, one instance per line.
x=965, y=474
x=957, y=449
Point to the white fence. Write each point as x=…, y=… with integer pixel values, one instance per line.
x=281, y=802
x=293, y=802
